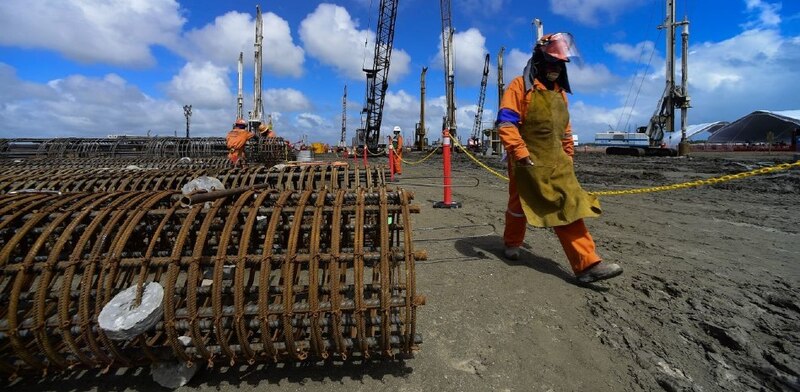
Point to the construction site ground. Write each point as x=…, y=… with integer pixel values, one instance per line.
x=709, y=300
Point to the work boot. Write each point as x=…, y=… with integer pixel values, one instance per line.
x=511, y=252
x=599, y=271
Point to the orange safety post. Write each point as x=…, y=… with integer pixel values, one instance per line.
x=448, y=197
x=365, y=156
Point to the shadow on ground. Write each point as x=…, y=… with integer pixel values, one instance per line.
x=139, y=379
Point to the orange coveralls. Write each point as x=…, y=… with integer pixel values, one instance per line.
x=398, y=154
x=574, y=237
x=236, y=140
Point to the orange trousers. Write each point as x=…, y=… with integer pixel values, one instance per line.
x=398, y=162
x=575, y=238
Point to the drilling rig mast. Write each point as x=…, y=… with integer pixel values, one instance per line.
x=476, y=127
x=419, y=133
x=239, y=97
x=377, y=79
x=494, y=136
x=449, y=68
x=663, y=119
x=257, y=115
x=344, y=119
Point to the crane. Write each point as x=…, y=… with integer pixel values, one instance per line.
x=449, y=68
x=344, y=118
x=476, y=127
x=419, y=133
x=377, y=79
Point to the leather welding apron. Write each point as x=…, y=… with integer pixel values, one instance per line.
x=549, y=191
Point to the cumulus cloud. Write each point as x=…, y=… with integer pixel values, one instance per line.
x=632, y=53
x=331, y=36
x=221, y=42
x=591, y=12
x=92, y=31
x=767, y=14
x=469, y=49
x=202, y=85
x=81, y=106
x=286, y=99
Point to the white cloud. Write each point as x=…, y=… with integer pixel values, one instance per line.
x=469, y=49
x=202, y=85
x=331, y=36
x=632, y=53
x=310, y=121
x=92, y=31
x=285, y=99
x=591, y=12
x=221, y=42
x=768, y=13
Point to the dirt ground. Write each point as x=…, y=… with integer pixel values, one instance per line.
x=709, y=300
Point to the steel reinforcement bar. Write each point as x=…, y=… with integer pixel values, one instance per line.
x=297, y=177
x=256, y=276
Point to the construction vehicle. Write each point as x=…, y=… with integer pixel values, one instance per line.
x=663, y=120
x=369, y=135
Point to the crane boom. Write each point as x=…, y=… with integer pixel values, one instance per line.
x=377, y=76
x=476, y=127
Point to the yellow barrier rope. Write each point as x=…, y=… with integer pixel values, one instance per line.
x=683, y=185
x=421, y=160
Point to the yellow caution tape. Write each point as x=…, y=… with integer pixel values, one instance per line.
x=421, y=160
x=683, y=185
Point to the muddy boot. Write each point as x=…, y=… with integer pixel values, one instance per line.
x=511, y=252
x=599, y=271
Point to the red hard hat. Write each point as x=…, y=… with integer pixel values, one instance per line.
x=240, y=121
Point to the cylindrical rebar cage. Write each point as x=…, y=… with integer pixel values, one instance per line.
x=263, y=275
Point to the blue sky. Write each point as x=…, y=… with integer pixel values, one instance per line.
x=98, y=67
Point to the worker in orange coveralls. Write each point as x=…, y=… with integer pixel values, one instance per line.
x=543, y=191
x=236, y=140
x=266, y=131
x=397, y=144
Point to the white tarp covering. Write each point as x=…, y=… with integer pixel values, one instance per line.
x=694, y=133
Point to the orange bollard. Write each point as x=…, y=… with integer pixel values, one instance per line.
x=448, y=196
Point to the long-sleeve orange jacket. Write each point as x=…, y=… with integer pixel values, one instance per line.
x=511, y=116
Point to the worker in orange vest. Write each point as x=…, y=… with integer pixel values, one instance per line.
x=397, y=145
x=236, y=140
x=543, y=190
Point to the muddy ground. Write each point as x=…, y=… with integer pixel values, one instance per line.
x=709, y=300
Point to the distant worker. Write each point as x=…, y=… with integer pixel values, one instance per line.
x=397, y=145
x=236, y=140
x=543, y=191
x=266, y=131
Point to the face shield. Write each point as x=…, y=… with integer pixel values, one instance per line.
x=559, y=47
